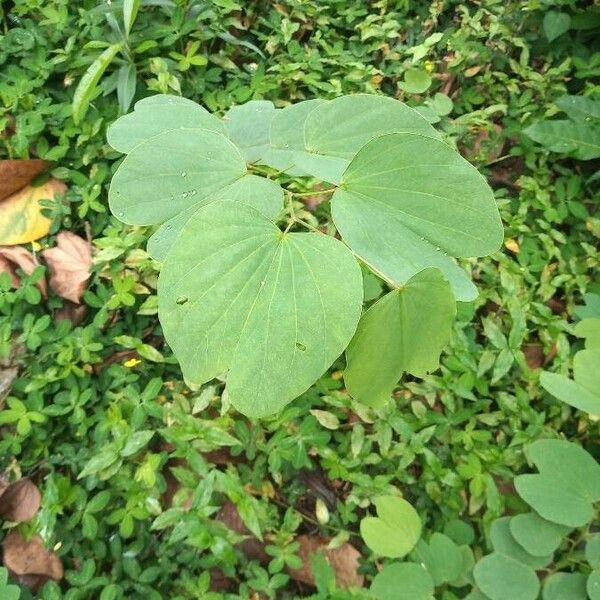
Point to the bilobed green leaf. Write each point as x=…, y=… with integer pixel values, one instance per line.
x=403, y=581
x=395, y=530
x=408, y=202
x=404, y=331
x=166, y=174
x=567, y=486
x=157, y=114
x=501, y=577
x=335, y=131
x=504, y=543
x=555, y=24
x=441, y=557
x=248, y=126
x=570, y=392
x=580, y=107
x=272, y=310
x=261, y=193
x=87, y=85
x=564, y=586
x=535, y=535
x=580, y=139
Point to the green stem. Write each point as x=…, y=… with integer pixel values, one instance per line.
x=315, y=193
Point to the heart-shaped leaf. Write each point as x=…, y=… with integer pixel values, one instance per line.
x=273, y=310
x=404, y=331
x=407, y=202
x=567, y=485
x=403, y=581
x=555, y=24
x=395, y=530
x=261, y=193
x=164, y=175
x=157, y=114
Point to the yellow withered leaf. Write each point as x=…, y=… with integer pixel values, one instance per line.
x=21, y=220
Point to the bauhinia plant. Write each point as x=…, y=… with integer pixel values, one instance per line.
x=244, y=292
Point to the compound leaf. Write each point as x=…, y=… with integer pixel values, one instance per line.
x=404, y=331
x=272, y=310
x=157, y=114
x=407, y=202
x=169, y=172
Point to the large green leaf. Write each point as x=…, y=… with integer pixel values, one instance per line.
x=169, y=172
x=156, y=114
x=395, y=530
x=272, y=310
x=501, y=577
x=261, y=193
x=567, y=486
x=536, y=535
x=403, y=581
x=404, y=331
x=570, y=392
x=407, y=202
x=334, y=131
x=577, y=138
x=580, y=107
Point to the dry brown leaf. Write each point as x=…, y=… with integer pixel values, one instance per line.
x=70, y=311
x=16, y=174
x=13, y=257
x=21, y=219
x=252, y=547
x=20, y=502
x=343, y=561
x=69, y=264
x=26, y=558
x=3, y=483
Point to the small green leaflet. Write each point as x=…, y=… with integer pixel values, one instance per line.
x=87, y=85
x=169, y=172
x=157, y=114
x=408, y=202
x=395, y=530
x=501, y=577
x=535, y=535
x=592, y=551
x=272, y=310
x=564, y=586
x=567, y=485
x=403, y=581
x=592, y=585
x=334, y=131
x=261, y=193
x=504, y=543
x=442, y=558
x=404, y=331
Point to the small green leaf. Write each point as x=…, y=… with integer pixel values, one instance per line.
x=501, y=577
x=577, y=138
x=564, y=586
x=136, y=442
x=405, y=331
x=415, y=81
x=395, y=530
x=130, y=10
x=87, y=85
x=592, y=551
x=504, y=543
x=460, y=531
x=441, y=557
x=403, y=581
x=126, y=84
x=570, y=392
x=408, y=202
x=593, y=585
x=272, y=309
x=555, y=24
x=580, y=108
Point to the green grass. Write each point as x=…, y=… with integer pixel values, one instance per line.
x=451, y=443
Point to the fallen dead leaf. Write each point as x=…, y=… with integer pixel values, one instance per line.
x=69, y=264
x=21, y=220
x=7, y=376
x=20, y=502
x=3, y=483
x=30, y=559
x=343, y=561
x=534, y=355
x=252, y=547
x=16, y=174
x=14, y=257
x=512, y=245
x=70, y=311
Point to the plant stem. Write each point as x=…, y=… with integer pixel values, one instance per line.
x=315, y=193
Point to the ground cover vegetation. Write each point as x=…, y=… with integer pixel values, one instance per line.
x=128, y=472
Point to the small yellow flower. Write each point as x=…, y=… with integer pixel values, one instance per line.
x=132, y=362
x=429, y=66
x=36, y=246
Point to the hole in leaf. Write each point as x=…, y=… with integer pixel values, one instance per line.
x=301, y=347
